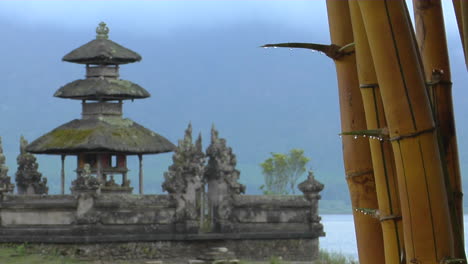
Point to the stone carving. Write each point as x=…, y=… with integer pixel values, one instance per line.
x=311, y=188
x=222, y=177
x=102, y=31
x=184, y=178
x=28, y=179
x=222, y=163
x=5, y=180
x=85, y=182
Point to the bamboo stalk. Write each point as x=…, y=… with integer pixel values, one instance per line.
x=426, y=220
x=382, y=153
x=432, y=43
x=356, y=152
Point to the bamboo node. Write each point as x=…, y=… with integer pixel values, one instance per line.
x=379, y=134
x=359, y=173
x=369, y=85
x=411, y=135
x=390, y=217
x=452, y=261
x=436, y=78
x=375, y=213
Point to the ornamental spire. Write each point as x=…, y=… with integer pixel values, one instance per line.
x=102, y=31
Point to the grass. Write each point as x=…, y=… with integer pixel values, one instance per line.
x=326, y=257
x=21, y=254
x=18, y=254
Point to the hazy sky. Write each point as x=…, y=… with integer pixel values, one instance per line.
x=201, y=63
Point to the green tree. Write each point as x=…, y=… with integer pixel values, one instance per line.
x=281, y=171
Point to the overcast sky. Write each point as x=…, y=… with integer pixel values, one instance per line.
x=201, y=63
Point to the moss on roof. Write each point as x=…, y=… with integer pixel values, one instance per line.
x=102, y=51
x=101, y=89
x=109, y=134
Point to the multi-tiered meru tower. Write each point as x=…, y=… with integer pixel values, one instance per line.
x=102, y=138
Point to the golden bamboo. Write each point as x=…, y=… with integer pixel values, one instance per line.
x=382, y=153
x=426, y=220
x=432, y=43
x=356, y=153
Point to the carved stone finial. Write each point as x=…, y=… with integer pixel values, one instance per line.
x=28, y=179
x=198, y=144
x=184, y=178
x=102, y=31
x=188, y=133
x=23, y=144
x=214, y=133
x=311, y=187
x=5, y=180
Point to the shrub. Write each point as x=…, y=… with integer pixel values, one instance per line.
x=326, y=257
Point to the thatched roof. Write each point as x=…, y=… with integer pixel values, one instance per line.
x=102, y=51
x=102, y=89
x=107, y=134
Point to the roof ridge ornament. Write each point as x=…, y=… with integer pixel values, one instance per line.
x=102, y=31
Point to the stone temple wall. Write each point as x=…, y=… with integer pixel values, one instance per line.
x=147, y=226
x=205, y=208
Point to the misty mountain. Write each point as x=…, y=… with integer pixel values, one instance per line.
x=260, y=100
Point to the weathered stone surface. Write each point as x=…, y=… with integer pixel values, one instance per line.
x=85, y=183
x=222, y=164
x=311, y=187
x=183, y=251
x=5, y=180
x=223, y=185
x=217, y=255
x=184, y=179
x=28, y=179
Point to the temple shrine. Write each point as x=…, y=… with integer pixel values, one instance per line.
x=102, y=138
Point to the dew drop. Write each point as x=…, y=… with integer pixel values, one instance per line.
x=355, y=137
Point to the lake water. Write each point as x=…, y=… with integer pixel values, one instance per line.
x=341, y=237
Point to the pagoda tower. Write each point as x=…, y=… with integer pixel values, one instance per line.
x=102, y=138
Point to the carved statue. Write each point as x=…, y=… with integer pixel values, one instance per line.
x=5, y=180
x=28, y=179
x=184, y=178
x=85, y=182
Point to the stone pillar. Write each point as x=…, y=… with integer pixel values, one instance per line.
x=124, y=178
x=99, y=169
x=62, y=175
x=140, y=172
